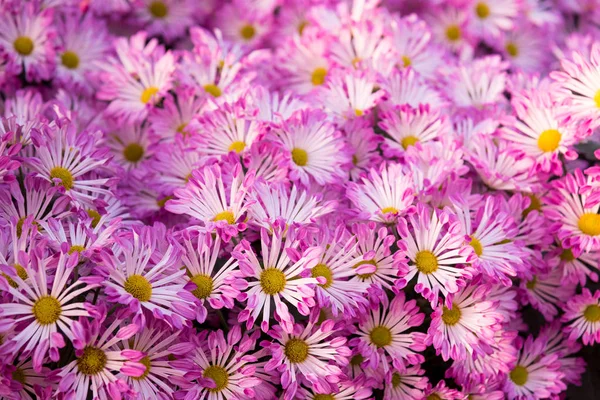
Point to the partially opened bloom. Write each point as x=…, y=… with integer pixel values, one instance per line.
x=572, y=366
x=405, y=384
x=350, y=96
x=408, y=87
x=547, y=291
x=26, y=383
x=363, y=143
x=583, y=314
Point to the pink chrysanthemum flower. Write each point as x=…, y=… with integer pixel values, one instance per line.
x=408, y=87
x=350, y=96
x=467, y=328
x=98, y=358
x=442, y=392
x=546, y=292
x=267, y=162
x=573, y=367
x=535, y=375
x=277, y=278
x=382, y=333
x=576, y=265
x=42, y=311
x=172, y=165
x=306, y=354
x=436, y=253
x=449, y=25
x=25, y=382
x=363, y=143
x=23, y=112
x=345, y=390
x=173, y=119
x=583, y=314
x=383, y=195
x=167, y=18
x=143, y=279
x=272, y=107
x=405, y=384
x=315, y=149
x=244, y=23
x=26, y=35
x=129, y=145
x=490, y=18
x=8, y=160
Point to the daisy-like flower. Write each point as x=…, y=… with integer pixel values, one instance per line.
x=573, y=206
x=143, y=279
x=84, y=43
x=383, y=195
x=436, y=252
x=315, y=149
x=350, y=96
x=244, y=23
x=65, y=158
x=167, y=18
x=208, y=198
x=535, y=375
x=273, y=107
x=573, y=367
x=218, y=287
x=134, y=84
x=449, y=25
x=466, y=328
x=442, y=392
x=345, y=390
x=294, y=206
x=337, y=264
x=546, y=292
x=23, y=112
x=307, y=353
x=576, y=265
x=526, y=49
x=580, y=85
x=27, y=37
x=363, y=143
x=43, y=308
x=382, y=333
x=490, y=18
x=129, y=145
x=98, y=358
x=405, y=384
x=222, y=367
x=172, y=165
x=406, y=126
x=277, y=278
x=582, y=312
x=27, y=383
x=173, y=119
x=267, y=162
x=408, y=87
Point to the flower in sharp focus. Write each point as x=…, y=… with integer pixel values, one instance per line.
x=582, y=312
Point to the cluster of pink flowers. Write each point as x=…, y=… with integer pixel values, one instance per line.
x=298, y=199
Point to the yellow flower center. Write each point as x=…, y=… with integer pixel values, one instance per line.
x=301, y=27
x=46, y=310
x=213, y=90
x=21, y=272
x=92, y=361
x=453, y=33
x=535, y=204
x=205, y=286
x=592, y=313
x=225, y=216
x=180, y=128
x=247, y=32
x=23, y=45
x=324, y=271
x=406, y=61
x=434, y=396
x=426, y=262
x=367, y=275
x=476, y=245
x=158, y=9
x=482, y=10
x=396, y=380
x=219, y=375
x=139, y=287
x=409, y=141
x=519, y=375
x=146, y=362
x=161, y=202
x=389, y=210
x=597, y=99
x=589, y=223
x=238, y=146
x=549, y=140
x=358, y=113
x=451, y=316
x=19, y=376
x=512, y=49
x=76, y=248
x=95, y=216
x=148, y=93
x=357, y=360
x=300, y=157
x=296, y=350
x=70, y=60
x=354, y=160
x=133, y=152
x=320, y=396
x=531, y=284
x=567, y=255
x=318, y=76
x=381, y=336
x=272, y=281
x=64, y=175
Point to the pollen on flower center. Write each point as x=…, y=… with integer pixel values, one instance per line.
x=519, y=375
x=146, y=362
x=368, y=275
x=358, y=113
x=477, y=246
x=272, y=281
x=92, y=361
x=482, y=10
x=133, y=152
x=426, y=262
x=389, y=210
x=589, y=223
x=549, y=140
x=161, y=202
x=597, y=98
x=46, y=310
x=139, y=287
x=205, y=286
x=95, y=216
x=409, y=141
x=148, y=93
x=453, y=33
x=237, y=146
x=76, y=248
x=19, y=376
x=247, y=31
x=406, y=61
x=451, y=316
x=396, y=379
x=23, y=45
x=158, y=9
x=512, y=49
x=318, y=76
x=324, y=271
x=213, y=90
x=535, y=204
x=592, y=313
x=225, y=216
x=219, y=375
x=21, y=272
x=320, y=396
x=296, y=350
x=64, y=175
x=70, y=59
x=381, y=336
x=299, y=156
